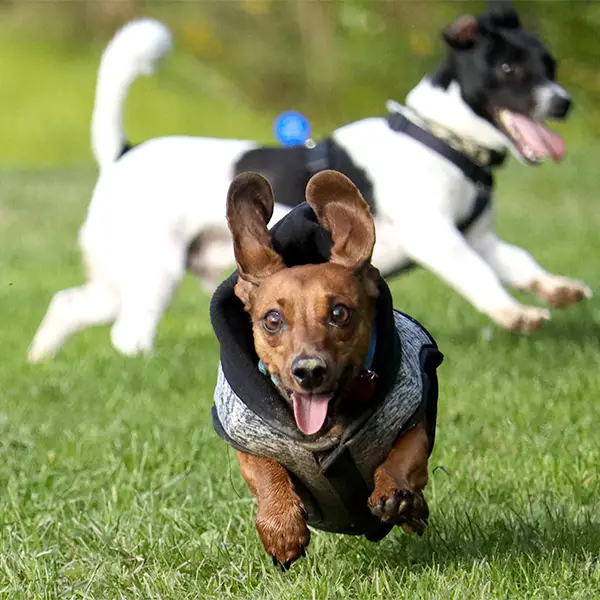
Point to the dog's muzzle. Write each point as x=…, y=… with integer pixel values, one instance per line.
x=559, y=106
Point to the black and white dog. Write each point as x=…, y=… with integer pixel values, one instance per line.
x=159, y=208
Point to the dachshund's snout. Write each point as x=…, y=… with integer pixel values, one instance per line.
x=309, y=371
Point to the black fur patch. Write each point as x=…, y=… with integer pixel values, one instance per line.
x=500, y=68
x=288, y=171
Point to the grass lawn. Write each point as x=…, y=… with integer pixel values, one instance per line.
x=114, y=485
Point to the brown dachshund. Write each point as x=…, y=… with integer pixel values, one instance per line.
x=339, y=434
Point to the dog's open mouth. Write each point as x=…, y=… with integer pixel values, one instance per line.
x=533, y=139
x=310, y=410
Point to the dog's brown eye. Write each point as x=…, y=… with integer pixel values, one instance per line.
x=340, y=314
x=273, y=321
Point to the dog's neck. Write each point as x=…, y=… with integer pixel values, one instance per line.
x=440, y=108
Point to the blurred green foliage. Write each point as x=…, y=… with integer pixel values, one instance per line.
x=237, y=63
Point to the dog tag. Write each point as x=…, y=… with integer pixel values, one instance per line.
x=291, y=128
x=365, y=386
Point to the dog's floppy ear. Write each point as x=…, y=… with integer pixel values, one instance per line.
x=249, y=209
x=341, y=209
x=461, y=35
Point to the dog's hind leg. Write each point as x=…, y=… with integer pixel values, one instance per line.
x=70, y=311
x=143, y=301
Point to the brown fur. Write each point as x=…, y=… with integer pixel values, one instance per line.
x=462, y=33
x=400, y=480
x=280, y=518
x=304, y=297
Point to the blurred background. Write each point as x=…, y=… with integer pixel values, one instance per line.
x=238, y=63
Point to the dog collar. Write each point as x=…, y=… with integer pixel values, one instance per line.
x=263, y=370
x=371, y=351
x=484, y=157
x=366, y=370
x=365, y=385
x=481, y=156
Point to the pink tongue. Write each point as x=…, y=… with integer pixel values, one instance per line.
x=539, y=138
x=310, y=411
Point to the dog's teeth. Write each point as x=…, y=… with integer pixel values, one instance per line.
x=531, y=154
x=526, y=151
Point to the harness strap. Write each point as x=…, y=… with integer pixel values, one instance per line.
x=480, y=176
x=318, y=157
x=482, y=201
x=476, y=173
x=345, y=478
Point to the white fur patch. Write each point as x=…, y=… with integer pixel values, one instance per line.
x=447, y=107
x=544, y=94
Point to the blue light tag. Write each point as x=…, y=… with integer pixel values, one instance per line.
x=291, y=128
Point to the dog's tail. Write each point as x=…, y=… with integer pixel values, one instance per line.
x=135, y=50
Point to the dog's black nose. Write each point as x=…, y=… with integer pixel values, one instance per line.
x=560, y=106
x=309, y=371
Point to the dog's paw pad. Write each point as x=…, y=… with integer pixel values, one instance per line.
x=561, y=292
x=406, y=509
x=531, y=319
x=521, y=319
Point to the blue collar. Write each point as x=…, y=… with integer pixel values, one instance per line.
x=371, y=351
x=263, y=370
x=366, y=365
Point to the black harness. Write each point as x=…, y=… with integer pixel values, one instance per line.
x=481, y=176
x=319, y=158
x=329, y=155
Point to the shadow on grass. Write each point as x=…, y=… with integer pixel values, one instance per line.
x=578, y=327
x=466, y=537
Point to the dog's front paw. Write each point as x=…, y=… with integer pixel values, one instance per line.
x=560, y=292
x=521, y=319
x=284, y=534
x=400, y=507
